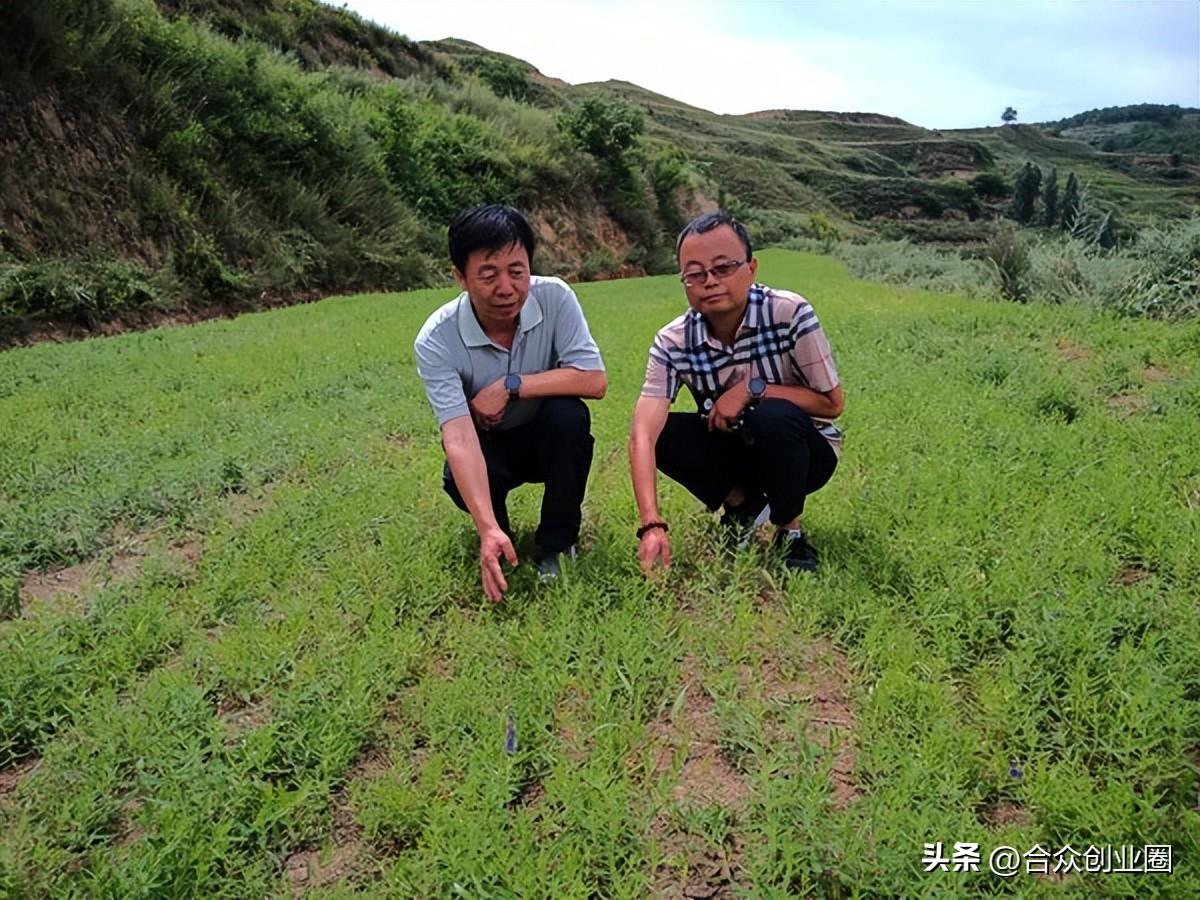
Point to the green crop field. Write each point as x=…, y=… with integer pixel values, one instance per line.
x=244, y=652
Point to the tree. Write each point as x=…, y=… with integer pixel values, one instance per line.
x=1026, y=187
x=989, y=185
x=1070, y=203
x=604, y=128
x=1050, y=199
x=1009, y=115
x=504, y=77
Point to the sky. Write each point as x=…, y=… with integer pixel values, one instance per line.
x=948, y=64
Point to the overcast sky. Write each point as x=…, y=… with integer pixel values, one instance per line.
x=950, y=64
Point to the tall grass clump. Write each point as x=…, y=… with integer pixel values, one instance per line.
x=1155, y=276
x=87, y=291
x=1008, y=255
x=913, y=265
x=1166, y=282
x=1067, y=271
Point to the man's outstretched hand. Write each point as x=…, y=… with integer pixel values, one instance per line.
x=493, y=545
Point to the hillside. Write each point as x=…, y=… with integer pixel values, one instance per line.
x=164, y=159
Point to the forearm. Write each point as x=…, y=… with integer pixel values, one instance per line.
x=643, y=470
x=469, y=469
x=564, y=382
x=825, y=406
x=649, y=419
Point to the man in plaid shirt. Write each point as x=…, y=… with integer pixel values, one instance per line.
x=760, y=368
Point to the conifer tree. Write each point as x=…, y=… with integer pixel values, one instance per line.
x=1070, y=202
x=1050, y=199
x=1026, y=187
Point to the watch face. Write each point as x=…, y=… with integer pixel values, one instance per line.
x=512, y=382
x=757, y=387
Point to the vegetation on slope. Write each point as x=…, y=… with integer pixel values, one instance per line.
x=185, y=163
x=233, y=152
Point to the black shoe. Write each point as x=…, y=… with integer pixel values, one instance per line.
x=549, y=564
x=799, y=554
x=739, y=523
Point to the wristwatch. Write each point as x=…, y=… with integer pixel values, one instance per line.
x=512, y=384
x=756, y=387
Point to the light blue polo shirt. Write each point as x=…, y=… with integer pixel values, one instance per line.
x=456, y=360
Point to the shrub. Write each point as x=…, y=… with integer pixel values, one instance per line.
x=1166, y=284
x=198, y=265
x=990, y=186
x=605, y=128
x=924, y=268
x=599, y=262
x=84, y=291
x=1008, y=254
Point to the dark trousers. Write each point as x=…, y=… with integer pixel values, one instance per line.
x=777, y=452
x=554, y=448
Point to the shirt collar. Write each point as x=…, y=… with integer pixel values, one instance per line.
x=756, y=307
x=472, y=332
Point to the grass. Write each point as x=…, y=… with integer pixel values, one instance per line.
x=1011, y=554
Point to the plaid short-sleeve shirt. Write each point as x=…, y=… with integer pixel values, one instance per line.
x=779, y=339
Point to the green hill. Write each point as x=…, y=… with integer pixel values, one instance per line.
x=228, y=153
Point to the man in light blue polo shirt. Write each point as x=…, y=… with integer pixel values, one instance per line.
x=505, y=364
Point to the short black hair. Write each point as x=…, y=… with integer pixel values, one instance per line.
x=709, y=221
x=488, y=226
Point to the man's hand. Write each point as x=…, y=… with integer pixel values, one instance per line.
x=726, y=413
x=487, y=407
x=494, y=544
x=654, y=546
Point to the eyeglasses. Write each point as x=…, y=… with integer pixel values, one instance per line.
x=697, y=277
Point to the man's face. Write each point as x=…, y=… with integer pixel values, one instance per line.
x=707, y=293
x=497, y=282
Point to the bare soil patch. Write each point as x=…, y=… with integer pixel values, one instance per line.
x=1073, y=352
x=240, y=508
x=65, y=590
x=570, y=722
x=1125, y=404
x=831, y=720
x=346, y=854
x=12, y=777
x=62, y=589
x=319, y=868
x=128, y=831
x=707, y=776
x=1003, y=814
x=695, y=867
x=1130, y=573
x=825, y=687
x=1155, y=374
x=239, y=717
